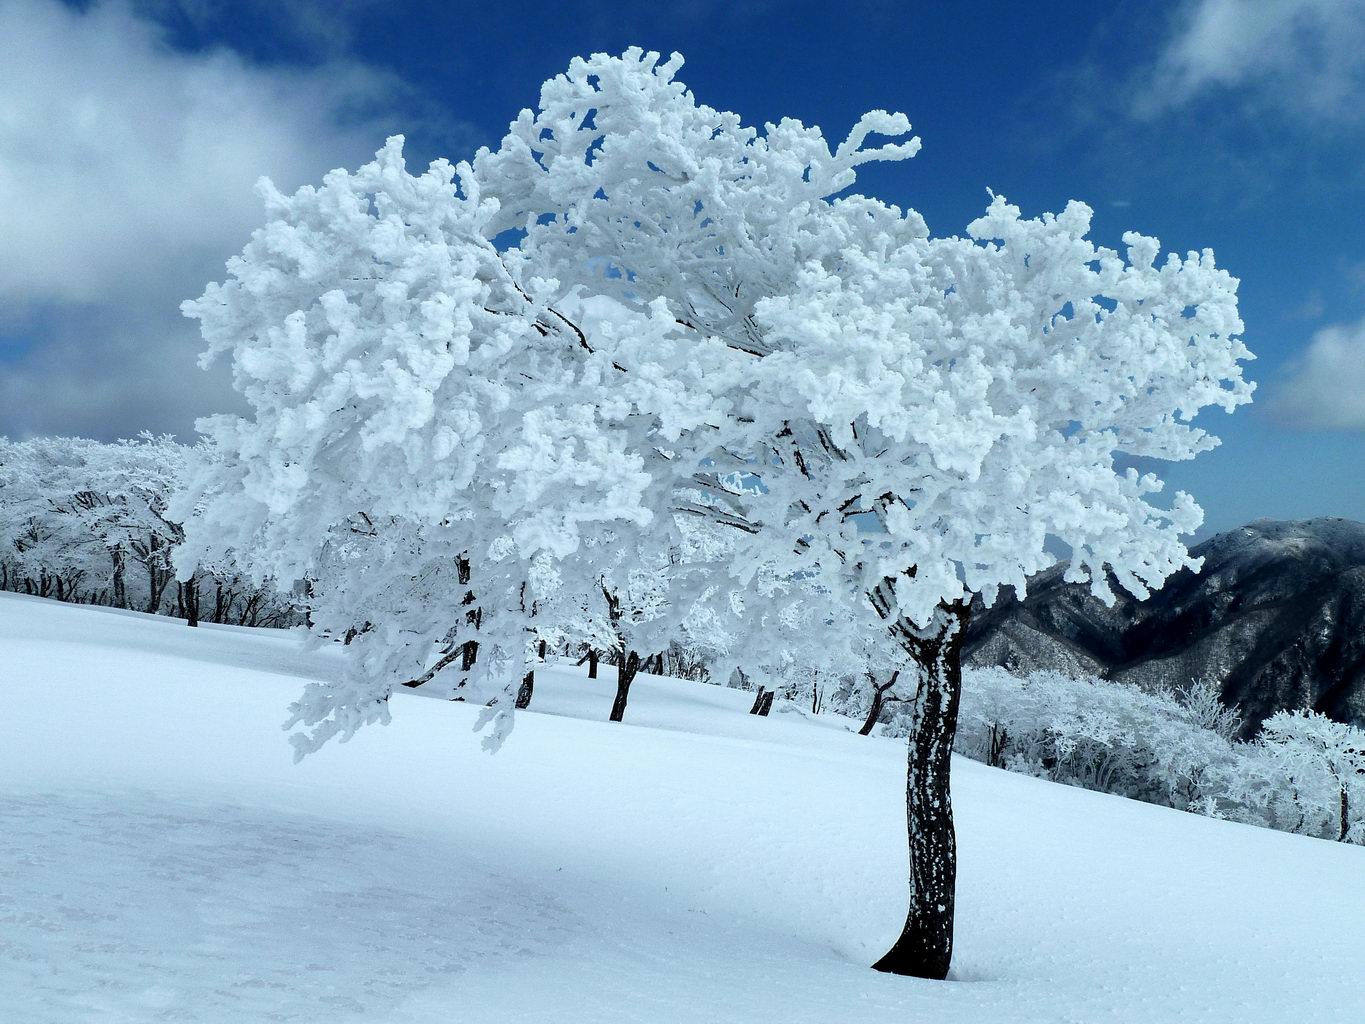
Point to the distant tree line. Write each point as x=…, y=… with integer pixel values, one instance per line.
x=86, y=522
x=1302, y=773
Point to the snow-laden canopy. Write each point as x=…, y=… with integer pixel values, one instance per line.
x=637, y=309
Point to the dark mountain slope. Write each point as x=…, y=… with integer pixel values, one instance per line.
x=1276, y=617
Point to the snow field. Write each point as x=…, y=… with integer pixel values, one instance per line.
x=161, y=859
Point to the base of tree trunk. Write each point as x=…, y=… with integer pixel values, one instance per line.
x=528, y=685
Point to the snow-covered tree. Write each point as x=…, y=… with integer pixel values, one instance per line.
x=82, y=511
x=1323, y=765
x=139, y=477
x=970, y=400
x=44, y=547
x=637, y=308
x=1304, y=773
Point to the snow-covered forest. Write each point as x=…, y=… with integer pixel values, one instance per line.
x=76, y=514
x=86, y=522
x=646, y=457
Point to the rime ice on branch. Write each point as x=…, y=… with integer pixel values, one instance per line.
x=636, y=311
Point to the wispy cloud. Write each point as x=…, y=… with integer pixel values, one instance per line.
x=126, y=177
x=1325, y=388
x=1313, y=308
x=1303, y=57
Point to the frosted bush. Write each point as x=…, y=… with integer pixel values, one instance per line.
x=1304, y=773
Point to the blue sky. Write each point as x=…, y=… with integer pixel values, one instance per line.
x=135, y=130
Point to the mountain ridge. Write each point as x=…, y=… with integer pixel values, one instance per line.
x=1276, y=617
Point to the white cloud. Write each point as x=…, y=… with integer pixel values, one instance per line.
x=1306, y=56
x=126, y=174
x=1325, y=389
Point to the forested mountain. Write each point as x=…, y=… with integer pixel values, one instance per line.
x=1276, y=616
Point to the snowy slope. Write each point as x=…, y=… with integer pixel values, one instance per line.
x=161, y=859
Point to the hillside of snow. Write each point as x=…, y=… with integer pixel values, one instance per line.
x=161, y=859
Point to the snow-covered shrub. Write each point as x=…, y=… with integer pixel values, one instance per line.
x=1304, y=773
x=1093, y=733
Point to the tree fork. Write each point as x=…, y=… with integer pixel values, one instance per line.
x=878, y=702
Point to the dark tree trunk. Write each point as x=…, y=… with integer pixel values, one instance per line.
x=625, y=675
x=528, y=685
x=873, y=713
x=469, y=654
x=157, y=577
x=542, y=650
x=191, y=597
x=592, y=664
x=1345, y=816
x=120, y=585
x=925, y=946
x=763, y=703
x=999, y=740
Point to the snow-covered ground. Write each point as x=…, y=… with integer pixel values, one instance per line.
x=161, y=859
